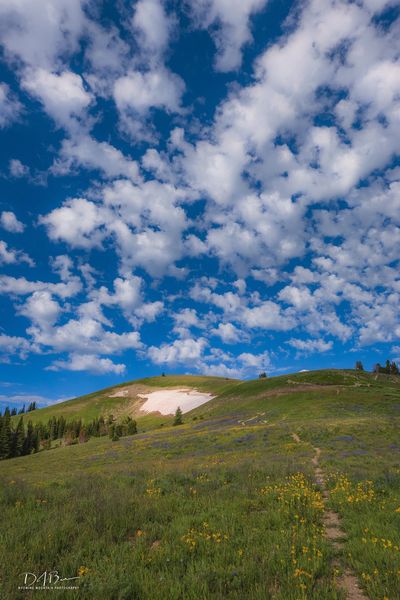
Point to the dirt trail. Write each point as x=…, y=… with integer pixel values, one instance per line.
x=348, y=582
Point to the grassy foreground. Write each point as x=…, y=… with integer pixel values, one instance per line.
x=225, y=506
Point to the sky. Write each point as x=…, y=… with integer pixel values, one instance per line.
x=203, y=186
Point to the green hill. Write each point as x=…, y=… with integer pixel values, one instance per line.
x=104, y=402
x=285, y=488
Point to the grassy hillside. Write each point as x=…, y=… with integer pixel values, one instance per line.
x=99, y=403
x=228, y=505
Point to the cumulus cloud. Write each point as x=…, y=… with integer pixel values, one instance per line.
x=9, y=222
x=17, y=168
x=310, y=346
x=88, y=362
x=180, y=351
x=286, y=192
x=229, y=22
x=10, y=107
x=89, y=153
x=152, y=25
x=9, y=256
x=63, y=95
x=227, y=332
x=14, y=345
x=78, y=222
x=39, y=33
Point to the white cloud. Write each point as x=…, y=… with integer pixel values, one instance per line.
x=9, y=256
x=41, y=309
x=17, y=168
x=62, y=95
x=139, y=91
x=180, y=351
x=20, y=286
x=10, y=223
x=310, y=346
x=229, y=21
x=88, y=362
x=78, y=222
x=14, y=345
x=39, y=32
x=255, y=361
x=89, y=153
x=151, y=25
x=228, y=333
x=10, y=107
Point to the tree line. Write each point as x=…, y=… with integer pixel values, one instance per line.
x=18, y=440
x=390, y=368
x=13, y=412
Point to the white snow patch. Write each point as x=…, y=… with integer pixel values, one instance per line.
x=167, y=401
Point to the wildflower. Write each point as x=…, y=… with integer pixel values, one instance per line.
x=82, y=571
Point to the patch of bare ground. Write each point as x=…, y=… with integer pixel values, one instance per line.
x=347, y=581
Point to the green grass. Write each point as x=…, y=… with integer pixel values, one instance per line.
x=224, y=506
x=99, y=403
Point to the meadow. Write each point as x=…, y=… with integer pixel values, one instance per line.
x=226, y=505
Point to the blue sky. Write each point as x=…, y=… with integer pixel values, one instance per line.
x=205, y=186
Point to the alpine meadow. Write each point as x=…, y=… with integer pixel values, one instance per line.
x=199, y=299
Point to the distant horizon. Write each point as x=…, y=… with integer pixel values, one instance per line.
x=43, y=403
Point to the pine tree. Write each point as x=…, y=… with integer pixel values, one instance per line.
x=178, y=420
x=394, y=369
x=29, y=439
x=359, y=366
x=18, y=438
x=387, y=367
x=131, y=427
x=5, y=435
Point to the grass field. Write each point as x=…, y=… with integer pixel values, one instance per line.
x=224, y=506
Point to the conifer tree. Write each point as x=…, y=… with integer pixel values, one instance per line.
x=18, y=438
x=5, y=435
x=29, y=439
x=178, y=420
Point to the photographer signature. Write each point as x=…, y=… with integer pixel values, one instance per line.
x=45, y=578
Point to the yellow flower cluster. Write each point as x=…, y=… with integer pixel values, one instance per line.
x=302, y=573
x=204, y=533
x=202, y=477
x=152, y=490
x=82, y=571
x=382, y=542
x=364, y=492
x=344, y=491
x=295, y=492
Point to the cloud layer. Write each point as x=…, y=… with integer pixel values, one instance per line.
x=227, y=231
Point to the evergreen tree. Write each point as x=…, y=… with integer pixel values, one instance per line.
x=394, y=369
x=131, y=427
x=387, y=367
x=178, y=420
x=29, y=439
x=5, y=435
x=262, y=375
x=13, y=412
x=359, y=366
x=18, y=438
